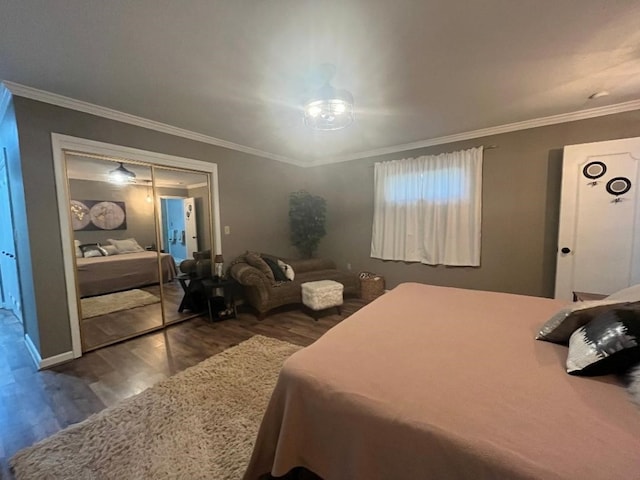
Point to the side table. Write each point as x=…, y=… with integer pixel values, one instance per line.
x=220, y=307
x=194, y=293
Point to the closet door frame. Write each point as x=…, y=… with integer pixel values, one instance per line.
x=64, y=143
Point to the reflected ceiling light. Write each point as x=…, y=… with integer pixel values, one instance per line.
x=121, y=175
x=329, y=108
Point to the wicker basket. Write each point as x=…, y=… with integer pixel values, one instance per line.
x=371, y=286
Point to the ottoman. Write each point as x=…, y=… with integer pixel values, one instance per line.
x=322, y=294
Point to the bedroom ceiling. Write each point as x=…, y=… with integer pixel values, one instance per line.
x=239, y=71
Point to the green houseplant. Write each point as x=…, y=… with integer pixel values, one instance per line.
x=307, y=216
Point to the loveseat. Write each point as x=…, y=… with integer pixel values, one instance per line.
x=265, y=294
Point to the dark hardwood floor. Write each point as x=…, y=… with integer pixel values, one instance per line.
x=35, y=404
x=111, y=327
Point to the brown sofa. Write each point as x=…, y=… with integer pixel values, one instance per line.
x=264, y=294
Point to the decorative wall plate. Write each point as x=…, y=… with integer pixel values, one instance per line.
x=107, y=215
x=80, y=217
x=618, y=186
x=594, y=170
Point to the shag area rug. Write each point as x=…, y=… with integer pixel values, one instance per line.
x=116, y=302
x=199, y=424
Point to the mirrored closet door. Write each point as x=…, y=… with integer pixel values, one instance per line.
x=184, y=218
x=132, y=226
x=114, y=234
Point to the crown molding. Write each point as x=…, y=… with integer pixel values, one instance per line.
x=86, y=107
x=73, y=104
x=485, y=132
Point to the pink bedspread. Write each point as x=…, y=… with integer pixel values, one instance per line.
x=443, y=383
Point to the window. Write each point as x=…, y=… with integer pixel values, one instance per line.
x=428, y=209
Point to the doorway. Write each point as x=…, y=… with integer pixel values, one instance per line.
x=178, y=223
x=599, y=232
x=10, y=293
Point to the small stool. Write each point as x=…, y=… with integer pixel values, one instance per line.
x=322, y=294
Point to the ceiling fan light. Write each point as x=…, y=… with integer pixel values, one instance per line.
x=121, y=175
x=314, y=110
x=339, y=107
x=329, y=109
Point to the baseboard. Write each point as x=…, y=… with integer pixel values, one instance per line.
x=35, y=354
x=45, y=362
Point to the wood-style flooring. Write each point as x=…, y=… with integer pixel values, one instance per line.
x=109, y=328
x=35, y=404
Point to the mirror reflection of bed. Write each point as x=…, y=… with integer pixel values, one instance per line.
x=126, y=256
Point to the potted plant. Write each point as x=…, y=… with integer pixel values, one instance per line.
x=307, y=216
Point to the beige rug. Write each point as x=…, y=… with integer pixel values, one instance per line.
x=199, y=424
x=116, y=302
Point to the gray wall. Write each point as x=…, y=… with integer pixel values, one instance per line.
x=521, y=193
x=140, y=215
x=520, y=211
x=253, y=200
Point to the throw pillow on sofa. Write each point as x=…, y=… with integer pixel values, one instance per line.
x=278, y=274
x=256, y=261
x=287, y=270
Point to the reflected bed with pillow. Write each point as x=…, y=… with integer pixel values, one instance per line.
x=121, y=265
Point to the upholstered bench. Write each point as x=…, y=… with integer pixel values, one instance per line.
x=322, y=294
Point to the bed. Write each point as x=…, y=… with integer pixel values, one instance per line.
x=443, y=383
x=100, y=275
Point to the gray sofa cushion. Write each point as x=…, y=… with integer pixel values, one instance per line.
x=255, y=260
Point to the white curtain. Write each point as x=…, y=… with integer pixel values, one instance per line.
x=428, y=209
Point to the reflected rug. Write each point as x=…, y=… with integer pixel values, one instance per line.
x=116, y=302
x=200, y=423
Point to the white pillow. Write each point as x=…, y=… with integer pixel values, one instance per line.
x=109, y=250
x=128, y=245
x=629, y=294
x=76, y=244
x=287, y=270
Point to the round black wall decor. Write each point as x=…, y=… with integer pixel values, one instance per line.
x=618, y=186
x=594, y=170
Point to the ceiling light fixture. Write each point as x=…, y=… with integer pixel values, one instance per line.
x=329, y=108
x=121, y=175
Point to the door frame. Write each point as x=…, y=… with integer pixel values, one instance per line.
x=65, y=143
x=17, y=310
x=568, y=219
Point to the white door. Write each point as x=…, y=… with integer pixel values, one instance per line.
x=191, y=232
x=11, y=296
x=599, y=233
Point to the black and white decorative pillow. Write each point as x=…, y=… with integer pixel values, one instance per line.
x=610, y=343
x=91, y=250
x=278, y=274
x=287, y=270
x=568, y=319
